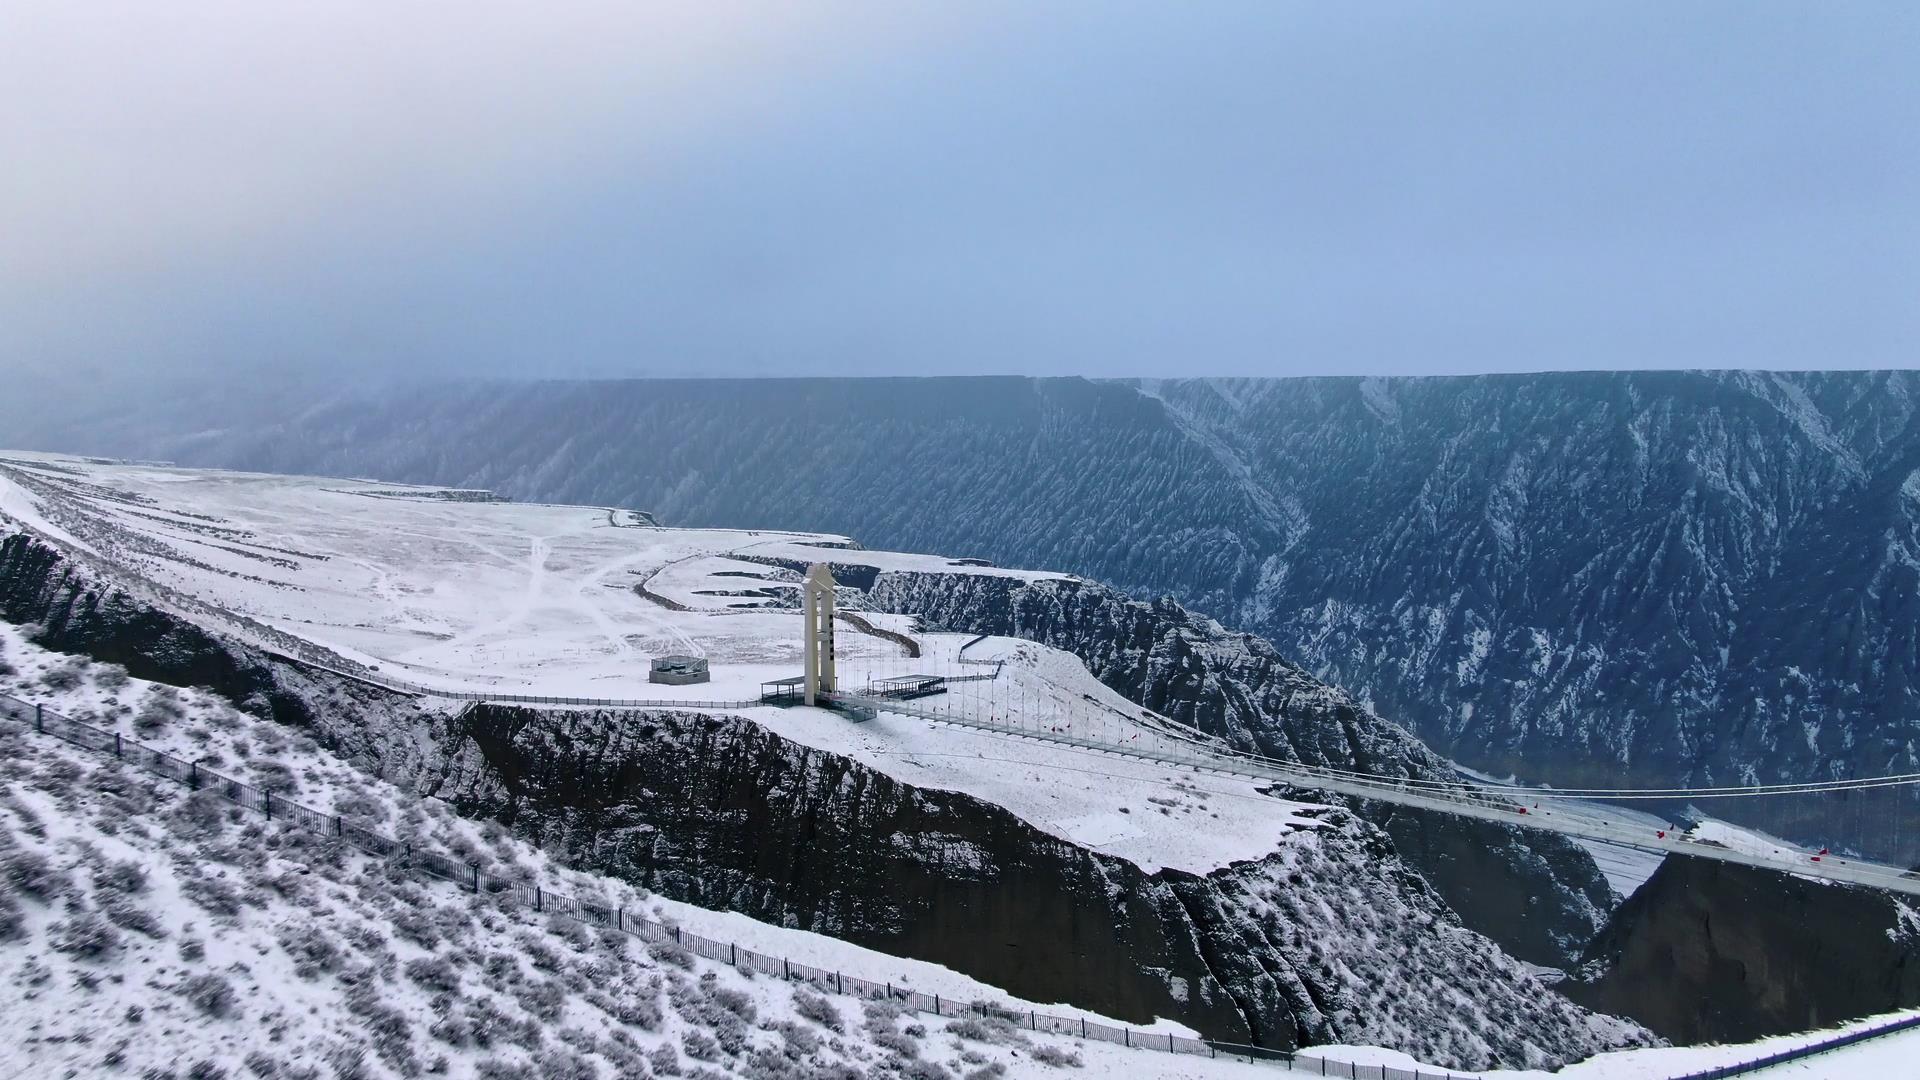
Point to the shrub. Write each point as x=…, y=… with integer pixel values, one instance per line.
x=31, y=874
x=160, y=707
x=206, y=1070
x=211, y=993
x=1056, y=1056
x=12, y=919
x=120, y=877
x=86, y=936
x=435, y=973
x=699, y=1045
x=126, y=912
x=670, y=952
x=109, y=676
x=64, y=676
x=313, y=951
x=665, y=1060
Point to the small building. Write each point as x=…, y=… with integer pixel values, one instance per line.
x=784, y=691
x=903, y=687
x=679, y=670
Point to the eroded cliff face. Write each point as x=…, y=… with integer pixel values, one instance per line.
x=1538, y=894
x=1714, y=952
x=1330, y=938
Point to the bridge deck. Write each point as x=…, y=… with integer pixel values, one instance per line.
x=1464, y=804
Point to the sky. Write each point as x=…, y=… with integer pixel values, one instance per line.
x=589, y=188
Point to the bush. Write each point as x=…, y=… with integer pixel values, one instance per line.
x=85, y=936
x=699, y=1045
x=120, y=877
x=32, y=875
x=1056, y=1056
x=206, y=1070
x=211, y=993
x=64, y=676
x=670, y=952
x=109, y=676
x=313, y=951
x=13, y=921
x=126, y=912
x=436, y=973
x=159, y=708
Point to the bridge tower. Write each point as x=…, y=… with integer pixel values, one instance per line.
x=816, y=593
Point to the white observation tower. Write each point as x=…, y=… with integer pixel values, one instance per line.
x=817, y=601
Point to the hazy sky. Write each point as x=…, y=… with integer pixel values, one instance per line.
x=1102, y=188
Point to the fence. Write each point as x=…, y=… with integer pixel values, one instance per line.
x=470, y=876
x=1800, y=1053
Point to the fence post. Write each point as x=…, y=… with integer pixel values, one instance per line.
x=1126, y=1036
x=936, y=1004
x=1083, y=1027
x=620, y=918
x=838, y=986
x=676, y=934
x=733, y=954
x=193, y=775
x=476, y=878
x=1033, y=1020
x=538, y=901
x=116, y=745
x=786, y=969
x=266, y=804
x=39, y=722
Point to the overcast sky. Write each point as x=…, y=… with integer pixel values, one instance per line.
x=594, y=187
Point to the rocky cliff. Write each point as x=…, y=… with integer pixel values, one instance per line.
x=1713, y=952
x=1538, y=894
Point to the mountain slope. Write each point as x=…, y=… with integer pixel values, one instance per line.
x=1653, y=578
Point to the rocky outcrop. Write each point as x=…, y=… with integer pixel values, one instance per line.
x=1714, y=952
x=1329, y=939
x=1538, y=894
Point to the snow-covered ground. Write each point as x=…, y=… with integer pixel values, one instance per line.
x=422, y=586
x=535, y=599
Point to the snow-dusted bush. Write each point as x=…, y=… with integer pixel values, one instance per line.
x=211, y=993
x=126, y=877
x=64, y=676
x=670, y=952
x=85, y=936
x=699, y=1045
x=311, y=948
x=31, y=874
x=109, y=676
x=812, y=1006
x=435, y=973
x=1057, y=1056
x=12, y=919
x=127, y=912
x=160, y=707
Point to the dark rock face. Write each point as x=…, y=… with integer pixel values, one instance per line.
x=1329, y=938
x=1669, y=578
x=1538, y=894
x=1714, y=952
